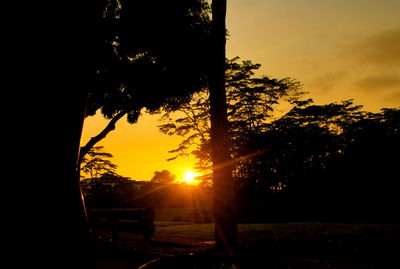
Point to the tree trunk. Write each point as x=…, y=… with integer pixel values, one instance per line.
x=223, y=193
x=49, y=216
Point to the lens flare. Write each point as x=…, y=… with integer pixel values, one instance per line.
x=190, y=178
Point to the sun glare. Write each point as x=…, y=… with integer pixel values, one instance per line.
x=190, y=178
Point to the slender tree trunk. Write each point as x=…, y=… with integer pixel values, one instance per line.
x=226, y=237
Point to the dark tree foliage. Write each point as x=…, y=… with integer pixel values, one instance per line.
x=251, y=101
x=153, y=54
x=326, y=162
x=150, y=54
x=96, y=163
x=251, y=104
x=316, y=162
x=163, y=177
x=302, y=139
x=366, y=176
x=109, y=191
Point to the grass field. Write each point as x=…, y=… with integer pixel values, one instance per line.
x=306, y=245
x=274, y=245
x=276, y=230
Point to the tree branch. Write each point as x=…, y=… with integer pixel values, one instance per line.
x=95, y=139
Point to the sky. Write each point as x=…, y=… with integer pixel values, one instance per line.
x=338, y=49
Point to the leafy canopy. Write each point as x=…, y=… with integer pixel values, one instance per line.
x=151, y=53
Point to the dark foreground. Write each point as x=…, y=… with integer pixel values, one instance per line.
x=295, y=245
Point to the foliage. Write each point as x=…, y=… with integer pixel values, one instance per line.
x=151, y=54
x=109, y=191
x=194, y=126
x=314, y=137
x=303, y=139
x=319, y=162
x=250, y=104
x=96, y=163
x=163, y=177
x=251, y=100
x=329, y=161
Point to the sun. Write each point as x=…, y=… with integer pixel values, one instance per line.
x=190, y=177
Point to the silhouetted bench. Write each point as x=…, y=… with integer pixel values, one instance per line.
x=136, y=220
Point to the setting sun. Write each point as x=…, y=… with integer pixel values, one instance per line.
x=190, y=178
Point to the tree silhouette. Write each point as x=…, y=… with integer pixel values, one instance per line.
x=302, y=161
x=304, y=139
x=329, y=162
x=251, y=102
x=96, y=163
x=163, y=177
x=58, y=60
x=109, y=191
x=153, y=55
x=226, y=233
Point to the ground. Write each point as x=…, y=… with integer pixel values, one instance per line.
x=278, y=245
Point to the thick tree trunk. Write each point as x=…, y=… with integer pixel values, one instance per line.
x=224, y=207
x=53, y=49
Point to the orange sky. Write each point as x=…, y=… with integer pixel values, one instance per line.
x=338, y=49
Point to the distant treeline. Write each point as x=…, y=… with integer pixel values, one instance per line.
x=113, y=191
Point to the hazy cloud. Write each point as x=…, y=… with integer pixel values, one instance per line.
x=393, y=99
x=378, y=83
x=381, y=49
x=328, y=81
